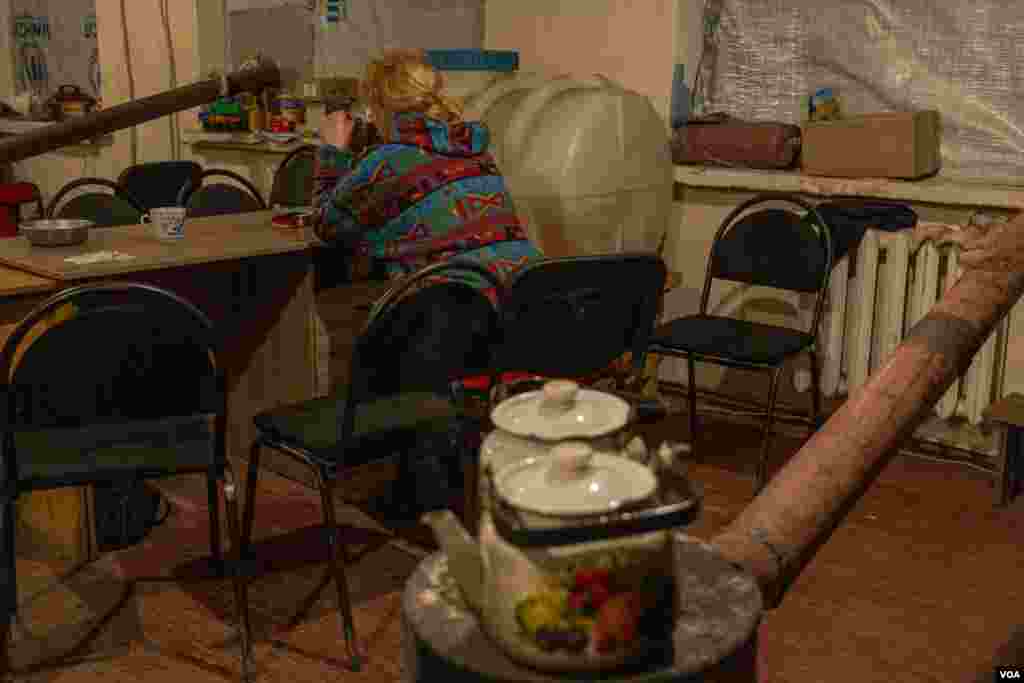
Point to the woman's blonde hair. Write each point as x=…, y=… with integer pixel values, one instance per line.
x=402, y=80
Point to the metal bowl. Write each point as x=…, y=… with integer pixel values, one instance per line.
x=56, y=232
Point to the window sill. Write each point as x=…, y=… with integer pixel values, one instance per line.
x=935, y=190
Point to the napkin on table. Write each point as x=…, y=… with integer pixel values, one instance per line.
x=98, y=257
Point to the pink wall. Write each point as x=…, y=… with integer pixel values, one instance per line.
x=629, y=41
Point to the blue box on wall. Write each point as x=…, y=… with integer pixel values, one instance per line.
x=474, y=60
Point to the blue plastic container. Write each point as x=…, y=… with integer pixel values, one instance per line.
x=474, y=60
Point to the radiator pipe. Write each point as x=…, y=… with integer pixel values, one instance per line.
x=779, y=532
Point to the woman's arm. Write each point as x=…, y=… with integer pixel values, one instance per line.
x=332, y=166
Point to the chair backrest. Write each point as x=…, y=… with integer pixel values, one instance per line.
x=571, y=317
x=128, y=352
x=158, y=183
x=761, y=244
x=426, y=332
x=216, y=199
x=112, y=205
x=293, y=180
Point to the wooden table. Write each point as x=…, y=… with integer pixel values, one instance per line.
x=255, y=282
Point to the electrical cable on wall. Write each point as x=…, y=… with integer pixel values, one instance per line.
x=133, y=135
x=227, y=35
x=175, y=131
x=95, y=74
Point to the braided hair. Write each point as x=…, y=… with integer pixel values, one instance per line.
x=403, y=80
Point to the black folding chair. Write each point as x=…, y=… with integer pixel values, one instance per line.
x=293, y=179
x=158, y=183
x=83, y=198
x=126, y=385
x=572, y=317
x=766, y=246
x=220, y=198
x=422, y=336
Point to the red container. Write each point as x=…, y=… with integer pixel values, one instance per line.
x=279, y=124
x=12, y=196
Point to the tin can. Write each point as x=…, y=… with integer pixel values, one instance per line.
x=292, y=109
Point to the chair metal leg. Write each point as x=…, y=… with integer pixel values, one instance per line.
x=766, y=437
x=815, y=391
x=237, y=579
x=6, y=673
x=1011, y=469
x=469, y=470
x=8, y=589
x=336, y=551
x=691, y=367
x=252, y=476
x=213, y=503
x=471, y=492
x=403, y=489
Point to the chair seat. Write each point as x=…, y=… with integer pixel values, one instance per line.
x=314, y=425
x=729, y=339
x=59, y=457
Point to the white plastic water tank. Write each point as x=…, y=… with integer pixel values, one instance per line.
x=586, y=161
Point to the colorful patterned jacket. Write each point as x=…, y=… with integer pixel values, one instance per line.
x=432, y=194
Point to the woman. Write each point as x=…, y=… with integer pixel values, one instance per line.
x=430, y=192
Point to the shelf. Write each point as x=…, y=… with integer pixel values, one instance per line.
x=934, y=190
x=242, y=142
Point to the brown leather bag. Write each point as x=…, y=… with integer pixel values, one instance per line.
x=722, y=140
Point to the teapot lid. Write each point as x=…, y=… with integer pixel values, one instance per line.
x=561, y=410
x=574, y=480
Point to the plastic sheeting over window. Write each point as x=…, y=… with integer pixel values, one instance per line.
x=962, y=57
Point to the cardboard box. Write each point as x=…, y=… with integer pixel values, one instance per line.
x=888, y=145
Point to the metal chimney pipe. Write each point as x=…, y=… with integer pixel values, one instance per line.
x=779, y=532
x=134, y=112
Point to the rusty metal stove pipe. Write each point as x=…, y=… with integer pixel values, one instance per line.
x=135, y=112
x=781, y=529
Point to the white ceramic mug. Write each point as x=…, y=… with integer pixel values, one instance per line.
x=168, y=222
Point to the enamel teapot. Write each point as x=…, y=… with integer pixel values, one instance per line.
x=573, y=569
x=531, y=424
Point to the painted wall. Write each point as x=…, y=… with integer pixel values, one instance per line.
x=633, y=43
x=344, y=48
x=284, y=34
